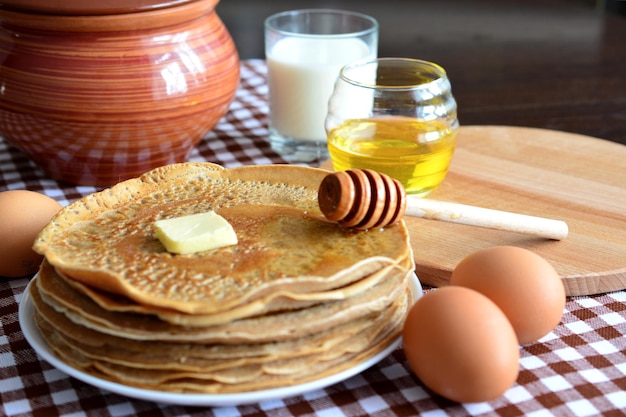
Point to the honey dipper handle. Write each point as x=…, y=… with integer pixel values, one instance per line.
x=489, y=218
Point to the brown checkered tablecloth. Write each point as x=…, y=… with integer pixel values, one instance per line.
x=579, y=369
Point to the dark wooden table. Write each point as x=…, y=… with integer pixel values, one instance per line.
x=552, y=64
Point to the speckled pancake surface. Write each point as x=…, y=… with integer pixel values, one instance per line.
x=106, y=240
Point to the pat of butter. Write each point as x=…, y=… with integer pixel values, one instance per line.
x=195, y=233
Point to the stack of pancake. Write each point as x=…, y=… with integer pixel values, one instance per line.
x=297, y=299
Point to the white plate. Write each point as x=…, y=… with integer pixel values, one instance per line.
x=32, y=335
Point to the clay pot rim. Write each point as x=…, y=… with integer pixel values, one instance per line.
x=177, y=12
x=87, y=7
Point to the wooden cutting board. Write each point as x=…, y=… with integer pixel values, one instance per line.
x=574, y=178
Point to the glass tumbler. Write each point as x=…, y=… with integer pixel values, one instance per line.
x=396, y=116
x=305, y=49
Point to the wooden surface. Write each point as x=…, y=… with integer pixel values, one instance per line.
x=552, y=64
x=574, y=178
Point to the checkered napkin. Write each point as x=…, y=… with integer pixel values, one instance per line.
x=579, y=369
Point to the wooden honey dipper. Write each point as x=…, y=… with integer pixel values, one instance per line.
x=366, y=199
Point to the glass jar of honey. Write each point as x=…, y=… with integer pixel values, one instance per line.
x=396, y=116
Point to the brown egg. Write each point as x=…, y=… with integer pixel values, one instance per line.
x=460, y=345
x=523, y=284
x=23, y=214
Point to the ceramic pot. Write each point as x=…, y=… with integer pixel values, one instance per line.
x=98, y=98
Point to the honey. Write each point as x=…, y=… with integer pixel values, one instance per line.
x=415, y=152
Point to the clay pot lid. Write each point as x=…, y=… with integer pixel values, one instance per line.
x=87, y=7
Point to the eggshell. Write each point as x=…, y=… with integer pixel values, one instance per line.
x=23, y=214
x=460, y=345
x=523, y=284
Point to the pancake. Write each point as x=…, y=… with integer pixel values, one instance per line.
x=106, y=240
x=392, y=283
x=121, y=350
x=240, y=375
x=275, y=302
x=297, y=298
x=209, y=357
x=118, y=303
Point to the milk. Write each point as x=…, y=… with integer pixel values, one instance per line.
x=301, y=77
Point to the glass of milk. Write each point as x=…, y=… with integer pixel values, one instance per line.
x=305, y=50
